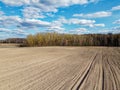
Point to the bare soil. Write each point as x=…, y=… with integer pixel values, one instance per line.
x=9, y=45
x=60, y=68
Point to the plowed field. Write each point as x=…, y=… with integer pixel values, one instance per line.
x=60, y=68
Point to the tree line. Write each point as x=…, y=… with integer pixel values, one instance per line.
x=56, y=39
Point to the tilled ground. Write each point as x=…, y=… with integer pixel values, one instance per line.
x=60, y=68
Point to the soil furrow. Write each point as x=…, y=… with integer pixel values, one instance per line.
x=60, y=68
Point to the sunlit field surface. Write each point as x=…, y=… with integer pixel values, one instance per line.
x=60, y=68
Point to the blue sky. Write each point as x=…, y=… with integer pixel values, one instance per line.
x=19, y=18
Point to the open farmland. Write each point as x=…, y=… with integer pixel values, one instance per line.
x=60, y=68
x=9, y=45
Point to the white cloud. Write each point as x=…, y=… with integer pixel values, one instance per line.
x=47, y=5
x=116, y=28
x=1, y=13
x=49, y=26
x=110, y=30
x=85, y=22
x=4, y=30
x=14, y=31
x=55, y=29
x=116, y=8
x=6, y=21
x=62, y=20
x=82, y=22
x=56, y=3
x=95, y=1
x=17, y=2
x=32, y=12
x=15, y=22
x=94, y=15
x=99, y=25
x=79, y=31
x=24, y=24
x=117, y=21
x=34, y=23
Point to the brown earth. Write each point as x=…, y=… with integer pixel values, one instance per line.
x=9, y=45
x=60, y=68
